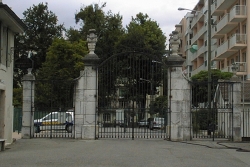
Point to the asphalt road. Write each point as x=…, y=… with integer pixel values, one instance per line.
x=118, y=153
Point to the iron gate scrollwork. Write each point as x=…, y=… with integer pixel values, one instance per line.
x=132, y=97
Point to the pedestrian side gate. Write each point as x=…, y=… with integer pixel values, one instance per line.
x=215, y=121
x=53, y=110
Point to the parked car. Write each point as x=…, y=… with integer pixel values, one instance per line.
x=156, y=123
x=55, y=121
x=143, y=123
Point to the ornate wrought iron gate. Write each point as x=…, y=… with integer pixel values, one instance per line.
x=132, y=97
x=53, y=111
x=217, y=121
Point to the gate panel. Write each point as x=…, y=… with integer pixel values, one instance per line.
x=53, y=109
x=131, y=99
x=215, y=122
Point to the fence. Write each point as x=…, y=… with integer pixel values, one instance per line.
x=17, y=120
x=245, y=126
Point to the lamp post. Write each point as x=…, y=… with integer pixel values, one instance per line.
x=151, y=88
x=208, y=50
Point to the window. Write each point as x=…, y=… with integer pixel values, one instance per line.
x=51, y=116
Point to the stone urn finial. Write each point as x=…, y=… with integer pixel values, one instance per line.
x=91, y=39
x=174, y=60
x=91, y=58
x=175, y=42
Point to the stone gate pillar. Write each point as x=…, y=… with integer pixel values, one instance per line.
x=179, y=94
x=28, y=105
x=86, y=93
x=236, y=99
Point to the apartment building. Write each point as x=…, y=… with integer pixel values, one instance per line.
x=10, y=25
x=229, y=36
x=230, y=22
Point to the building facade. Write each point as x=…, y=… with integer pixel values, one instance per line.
x=229, y=31
x=10, y=25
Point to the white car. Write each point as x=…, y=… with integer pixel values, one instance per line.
x=55, y=121
x=156, y=123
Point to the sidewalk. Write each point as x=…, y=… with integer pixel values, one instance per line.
x=222, y=144
x=16, y=136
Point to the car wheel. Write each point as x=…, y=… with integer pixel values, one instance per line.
x=69, y=128
x=37, y=129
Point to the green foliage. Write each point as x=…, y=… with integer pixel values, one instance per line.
x=64, y=60
x=143, y=34
x=42, y=28
x=55, y=80
x=146, y=40
x=17, y=97
x=108, y=27
x=200, y=85
x=160, y=105
x=215, y=75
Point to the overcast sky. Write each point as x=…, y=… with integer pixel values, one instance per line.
x=164, y=12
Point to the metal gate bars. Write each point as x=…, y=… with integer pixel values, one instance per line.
x=132, y=97
x=217, y=121
x=53, y=112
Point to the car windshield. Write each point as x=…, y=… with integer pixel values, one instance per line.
x=159, y=119
x=51, y=116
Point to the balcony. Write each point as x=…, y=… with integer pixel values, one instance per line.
x=223, y=51
x=201, y=50
x=213, y=55
x=199, y=35
x=199, y=16
x=197, y=70
x=188, y=31
x=224, y=26
x=219, y=6
x=238, y=41
x=238, y=13
x=242, y=68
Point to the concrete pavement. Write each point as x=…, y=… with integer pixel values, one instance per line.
x=119, y=153
x=217, y=144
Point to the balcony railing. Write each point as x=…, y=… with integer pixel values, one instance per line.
x=238, y=13
x=201, y=50
x=198, y=16
x=238, y=41
x=241, y=67
x=198, y=34
x=225, y=4
x=222, y=48
x=198, y=69
x=223, y=22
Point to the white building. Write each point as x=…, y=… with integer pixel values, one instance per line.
x=10, y=25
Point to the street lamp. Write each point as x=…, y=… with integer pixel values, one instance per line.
x=151, y=88
x=208, y=49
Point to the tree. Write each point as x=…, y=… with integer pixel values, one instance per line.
x=216, y=74
x=200, y=85
x=147, y=42
x=42, y=28
x=108, y=27
x=63, y=64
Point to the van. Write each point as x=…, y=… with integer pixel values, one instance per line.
x=156, y=123
x=55, y=121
